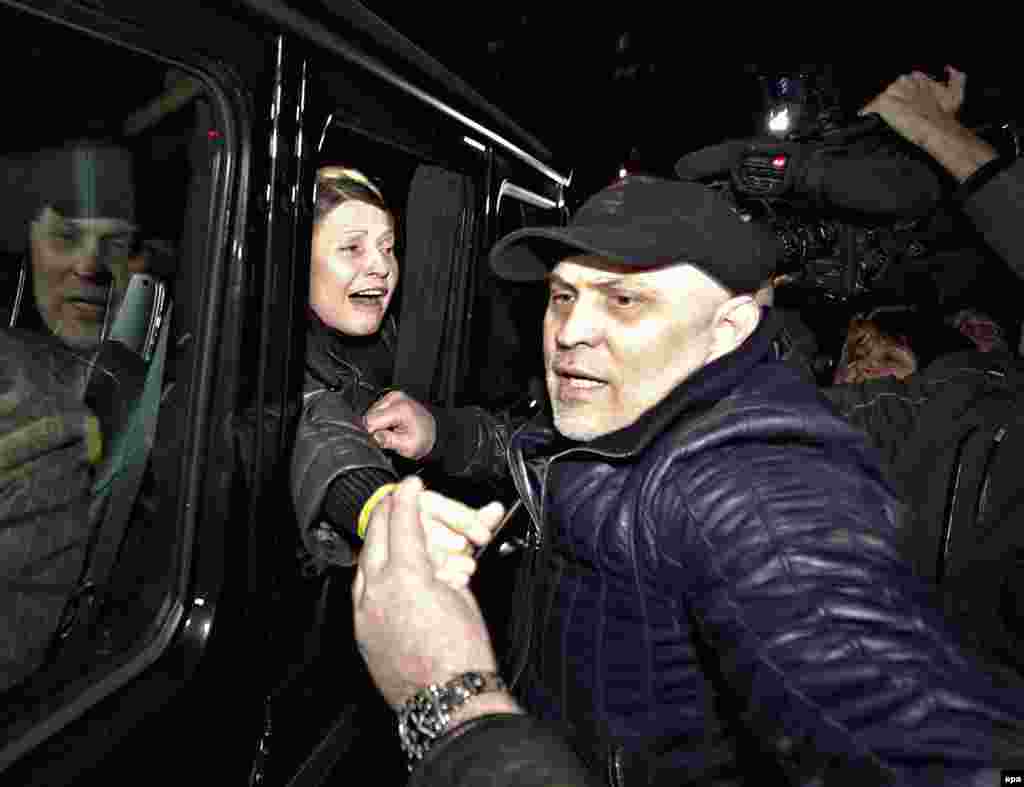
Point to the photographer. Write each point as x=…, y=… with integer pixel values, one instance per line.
x=991, y=188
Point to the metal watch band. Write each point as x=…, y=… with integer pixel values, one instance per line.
x=426, y=715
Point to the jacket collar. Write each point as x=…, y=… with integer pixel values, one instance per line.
x=333, y=357
x=697, y=393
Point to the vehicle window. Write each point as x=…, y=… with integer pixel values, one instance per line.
x=508, y=315
x=362, y=186
x=104, y=164
x=436, y=211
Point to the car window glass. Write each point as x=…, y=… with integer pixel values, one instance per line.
x=106, y=161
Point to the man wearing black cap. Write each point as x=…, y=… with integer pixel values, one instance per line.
x=74, y=208
x=715, y=595
x=78, y=204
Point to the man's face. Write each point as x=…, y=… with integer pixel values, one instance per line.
x=75, y=263
x=618, y=340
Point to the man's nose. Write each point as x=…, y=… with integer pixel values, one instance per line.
x=580, y=323
x=88, y=263
x=88, y=266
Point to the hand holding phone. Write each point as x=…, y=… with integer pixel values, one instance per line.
x=139, y=316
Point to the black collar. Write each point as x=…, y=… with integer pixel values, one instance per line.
x=332, y=356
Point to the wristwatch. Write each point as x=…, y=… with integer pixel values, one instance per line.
x=426, y=715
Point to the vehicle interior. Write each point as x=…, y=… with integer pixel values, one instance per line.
x=162, y=116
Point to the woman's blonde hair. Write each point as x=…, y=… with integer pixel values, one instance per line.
x=337, y=184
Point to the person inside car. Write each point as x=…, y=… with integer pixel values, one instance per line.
x=50, y=446
x=82, y=239
x=339, y=467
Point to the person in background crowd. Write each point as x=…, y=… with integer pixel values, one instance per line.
x=990, y=187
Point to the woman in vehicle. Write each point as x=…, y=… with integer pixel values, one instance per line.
x=337, y=465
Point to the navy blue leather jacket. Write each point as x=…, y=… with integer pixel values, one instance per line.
x=717, y=595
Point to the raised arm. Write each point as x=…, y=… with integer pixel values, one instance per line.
x=991, y=190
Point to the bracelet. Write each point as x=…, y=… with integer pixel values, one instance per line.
x=364, y=515
x=981, y=176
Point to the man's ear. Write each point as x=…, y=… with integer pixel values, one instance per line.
x=733, y=322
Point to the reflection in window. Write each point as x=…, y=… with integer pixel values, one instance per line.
x=99, y=181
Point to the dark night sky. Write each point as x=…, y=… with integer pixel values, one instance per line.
x=623, y=91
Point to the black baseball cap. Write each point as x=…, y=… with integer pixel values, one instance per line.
x=647, y=222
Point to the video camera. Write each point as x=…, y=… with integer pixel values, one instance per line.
x=848, y=200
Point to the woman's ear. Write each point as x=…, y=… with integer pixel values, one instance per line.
x=733, y=323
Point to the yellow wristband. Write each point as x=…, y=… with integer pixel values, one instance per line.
x=369, y=505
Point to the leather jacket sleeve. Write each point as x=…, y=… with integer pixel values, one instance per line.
x=829, y=649
x=471, y=443
x=330, y=441
x=995, y=210
x=501, y=750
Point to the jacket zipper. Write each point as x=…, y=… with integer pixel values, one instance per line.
x=986, y=476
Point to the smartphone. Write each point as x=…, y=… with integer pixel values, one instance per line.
x=512, y=511
x=140, y=315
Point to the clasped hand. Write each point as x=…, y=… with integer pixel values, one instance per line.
x=416, y=620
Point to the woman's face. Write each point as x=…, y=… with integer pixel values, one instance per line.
x=354, y=270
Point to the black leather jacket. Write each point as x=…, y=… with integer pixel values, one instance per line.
x=717, y=595
x=332, y=441
x=501, y=750
x=995, y=209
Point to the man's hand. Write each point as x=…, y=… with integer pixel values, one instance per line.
x=924, y=112
x=918, y=107
x=451, y=530
x=401, y=424
x=413, y=628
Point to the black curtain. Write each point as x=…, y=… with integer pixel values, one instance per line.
x=437, y=285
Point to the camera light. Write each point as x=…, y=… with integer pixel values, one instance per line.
x=778, y=120
x=779, y=162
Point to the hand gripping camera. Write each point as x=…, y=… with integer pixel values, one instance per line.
x=847, y=201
